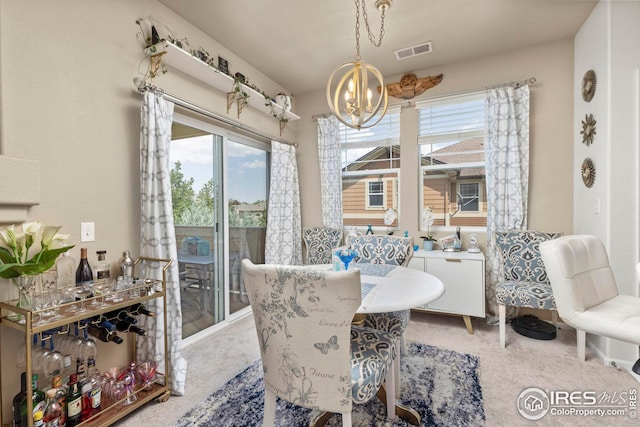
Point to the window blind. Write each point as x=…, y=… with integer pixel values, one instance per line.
x=452, y=118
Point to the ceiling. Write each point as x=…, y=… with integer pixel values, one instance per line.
x=298, y=43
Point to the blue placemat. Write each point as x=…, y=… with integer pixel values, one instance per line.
x=380, y=270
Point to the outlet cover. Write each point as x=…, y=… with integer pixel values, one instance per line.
x=87, y=231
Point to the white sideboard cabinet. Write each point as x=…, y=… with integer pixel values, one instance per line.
x=462, y=274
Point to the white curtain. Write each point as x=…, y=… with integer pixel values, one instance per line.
x=158, y=238
x=507, y=172
x=330, y=171
x=284, y=227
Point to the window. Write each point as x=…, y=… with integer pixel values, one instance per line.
x=375, y=194
x=451, y=139
x=370, y=170
x=469, y=196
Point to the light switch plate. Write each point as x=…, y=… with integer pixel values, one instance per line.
x=87, y=231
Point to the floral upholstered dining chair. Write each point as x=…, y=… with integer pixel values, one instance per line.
x=311, y=354
x=525, y=282
x=320, y=243
x=389, y=250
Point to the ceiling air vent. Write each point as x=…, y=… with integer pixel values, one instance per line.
x=408, y=52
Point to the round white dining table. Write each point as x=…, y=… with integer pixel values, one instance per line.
x=393, y=288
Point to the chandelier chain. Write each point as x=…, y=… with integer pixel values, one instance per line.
x=366, y=23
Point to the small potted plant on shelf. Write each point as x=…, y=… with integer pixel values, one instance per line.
x=427, y=221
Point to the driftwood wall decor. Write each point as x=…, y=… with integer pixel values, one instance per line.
x=410, y=86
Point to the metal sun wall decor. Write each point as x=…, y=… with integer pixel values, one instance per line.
x=588, y=172
x=588, y=129
x=589, y=85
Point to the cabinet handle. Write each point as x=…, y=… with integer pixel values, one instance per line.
x=453, y=260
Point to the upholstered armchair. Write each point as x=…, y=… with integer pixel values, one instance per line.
x=390, y=250
x=312, y=356
x=586, y=292
x=320, y=243
x=525, y=282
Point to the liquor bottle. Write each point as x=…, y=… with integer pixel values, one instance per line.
x=19, y=416
x=138, y=308
x=104, y=335
x=38, y=398
x=74, y=402
x=124, y=326
x=126, y=265
x=66, y=267
x=61, y=398
x=83, y=272
x=101, y=269
x=53, y=410
x=37, y=419
x=91, y=391
x=88, y=350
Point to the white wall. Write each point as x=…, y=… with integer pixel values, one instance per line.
x=68, y=102
x=608, y=44
x=551, y=132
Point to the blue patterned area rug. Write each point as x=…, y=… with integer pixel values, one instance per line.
x=441, y=385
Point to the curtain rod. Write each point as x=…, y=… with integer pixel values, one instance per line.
x=144, y=87
x=516, y=84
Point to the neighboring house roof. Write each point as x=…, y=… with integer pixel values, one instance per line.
x=463, y=155
x=472, y=144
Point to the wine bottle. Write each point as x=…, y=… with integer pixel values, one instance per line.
x=138, y=308
x=124, y=326
x=20, y=417
x=83, y=272
x=104, y=335
x=122, y=314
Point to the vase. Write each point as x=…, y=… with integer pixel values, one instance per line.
x=427, y=245
x=25, y=285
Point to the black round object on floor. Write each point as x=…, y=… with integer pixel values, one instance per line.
x=532, y=327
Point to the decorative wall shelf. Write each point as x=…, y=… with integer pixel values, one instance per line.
x=167, y=53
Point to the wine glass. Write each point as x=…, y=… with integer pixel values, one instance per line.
x=147, y=373
x=101, y=289
x=346, y=256
x=82, y=292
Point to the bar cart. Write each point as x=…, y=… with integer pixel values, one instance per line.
x=25, y=321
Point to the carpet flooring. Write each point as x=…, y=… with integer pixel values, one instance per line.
x=441, y=385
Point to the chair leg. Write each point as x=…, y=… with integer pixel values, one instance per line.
x=269, y=408
x=502, y=312
x=346, y=419
x=403, y=346
x=396, y=368
x=582, y=344
x=390, y=383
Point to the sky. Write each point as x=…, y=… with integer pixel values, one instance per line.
x=246, y=166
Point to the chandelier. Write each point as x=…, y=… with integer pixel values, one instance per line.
x=351, y=99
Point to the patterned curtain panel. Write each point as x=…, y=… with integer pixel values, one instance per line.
x=158, y=238
x=284, y=227
x=507, y=171
x=330, y=173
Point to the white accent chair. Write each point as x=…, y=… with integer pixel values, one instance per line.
x=311, y=354
x=586, y=293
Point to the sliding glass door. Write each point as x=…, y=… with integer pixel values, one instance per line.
x=219, y=185
x=247, y=184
